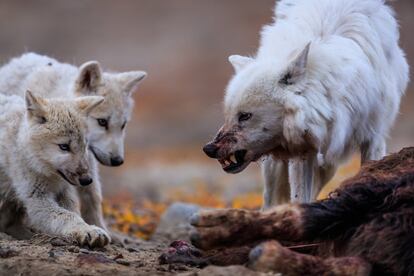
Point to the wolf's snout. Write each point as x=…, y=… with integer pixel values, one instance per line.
x=117, y=161
x=211, y=150
x=85, y=180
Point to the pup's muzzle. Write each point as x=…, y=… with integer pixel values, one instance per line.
x=116, y=161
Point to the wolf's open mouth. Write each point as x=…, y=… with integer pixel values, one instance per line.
x=235, y=162
x=64, y=177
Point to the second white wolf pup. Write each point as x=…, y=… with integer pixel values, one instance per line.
x=326, y=82
x=43, y=159
x=106, y=123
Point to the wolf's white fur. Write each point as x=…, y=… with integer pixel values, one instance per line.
x=345, y=92
x=49, y=78
x=38, y=179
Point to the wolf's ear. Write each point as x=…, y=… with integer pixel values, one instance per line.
x=297, y=69
x=130, y=80
x=88, y=103
x=239, y=62
x=35, y=107
x=89, y=78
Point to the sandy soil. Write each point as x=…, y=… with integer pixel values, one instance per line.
x=51, y=256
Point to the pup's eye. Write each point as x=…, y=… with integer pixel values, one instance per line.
x=287, y=79
x=103, y=122
x=123, y=125
x=244, y=116
x=64, y=147
x=42, y=120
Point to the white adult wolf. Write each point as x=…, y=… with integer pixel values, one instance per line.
x=43, y=159
x=106, y=123
x=326, y=81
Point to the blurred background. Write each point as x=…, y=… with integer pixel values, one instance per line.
x=183, y=45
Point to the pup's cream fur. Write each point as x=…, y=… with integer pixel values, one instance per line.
x=106, y=123
x=43, y=161
x=326, y=82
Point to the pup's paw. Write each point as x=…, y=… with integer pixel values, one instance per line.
x=92, y=236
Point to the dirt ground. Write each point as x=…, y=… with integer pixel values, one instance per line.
x=50, y=256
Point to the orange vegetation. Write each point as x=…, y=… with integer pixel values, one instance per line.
x=141, y=218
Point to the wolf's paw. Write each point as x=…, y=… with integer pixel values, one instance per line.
x=92, y=236
x=223, y=227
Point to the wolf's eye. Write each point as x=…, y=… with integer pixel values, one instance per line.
x=123, y=125
x=64, y=147
x=244, y=116
x=103, y=122
x=286, y=80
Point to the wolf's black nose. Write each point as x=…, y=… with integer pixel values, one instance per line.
x=117, y=161
x=211, y=150
x=85, y=180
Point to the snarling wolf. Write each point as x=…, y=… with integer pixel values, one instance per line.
x=106, y=123
x=43, y=162
x=326, y=82
x=364, y=228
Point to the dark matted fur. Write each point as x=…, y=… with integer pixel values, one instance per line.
x=371, y=216
x=370, y=219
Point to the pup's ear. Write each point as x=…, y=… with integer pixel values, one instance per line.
x=239, y=62
x=88, y=103
x=35, y=107
x=89, y=78
x=130, y=80
x=297, y=69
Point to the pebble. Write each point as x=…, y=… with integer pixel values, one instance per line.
x=74, y=249
x=84, y=251
x=58, y=242
x=8, y=253
x=122, y=262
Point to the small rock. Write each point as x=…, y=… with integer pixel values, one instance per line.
x=131, y=249
x=229, y=270
x=177, y=267
x=162, y=268
x=122, y=262
x=84, y=251
x=73, y=249
x=139, y=264
x=56, y=253
x=59, y=242
x=119, y=256
x=175, y=222
x=8, y=253
x=93, y=258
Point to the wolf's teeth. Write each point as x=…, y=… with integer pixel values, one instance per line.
x=227, y=162
x=233, y=158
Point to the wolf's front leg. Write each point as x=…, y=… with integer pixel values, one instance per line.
x=91, y=198
x=302, y=174
x=91, y=209
x=276, y=190
x=91, y=204
x=46, y=216
x=373, y=150
x=273, y=257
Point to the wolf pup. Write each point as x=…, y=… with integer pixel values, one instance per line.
x=106, y=123
x=43, y=159
x=326, y=82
